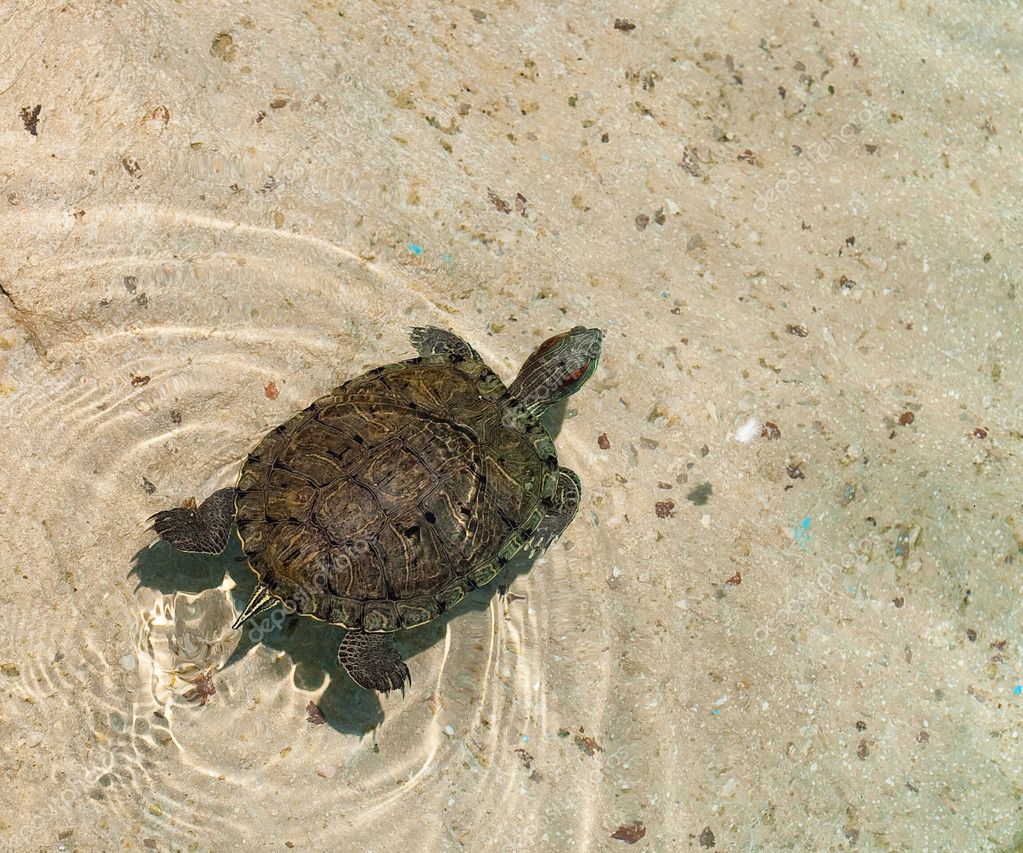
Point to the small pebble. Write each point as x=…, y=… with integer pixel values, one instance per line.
x=327, y=771
x=128, y=663
x=449, y=730
x=34, y=739
x=747, y=432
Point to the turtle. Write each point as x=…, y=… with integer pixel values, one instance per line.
x=385, y=502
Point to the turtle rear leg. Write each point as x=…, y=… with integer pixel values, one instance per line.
x=373, y=662
x=429, y=340
x=200, y=530
x=562, y=507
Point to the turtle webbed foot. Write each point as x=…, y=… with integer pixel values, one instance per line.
x=561, y=509
x=373, y=662
x=199, y=530
x=429, y=340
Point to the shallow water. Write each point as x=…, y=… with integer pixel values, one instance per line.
x=788, y=613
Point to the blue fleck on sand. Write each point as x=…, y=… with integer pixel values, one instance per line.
x=802, y=533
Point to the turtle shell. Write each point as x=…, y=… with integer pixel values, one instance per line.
x=387, y=500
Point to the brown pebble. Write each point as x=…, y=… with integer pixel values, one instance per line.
x=906, y=418
x=498, y=202
x=861, y=726
x=587, y=743
x=630, y=833
x=132, y=167
x=795, y=472
x=314, y=715
x=796, y=329
x=602, y=441
x=735, y=579
x=202, y=689
x=707, y=838
x=863, y=750
x=770, y=431
x=898, y=602
x=642, y=221
x=138, y=381
x=278, y=103
x=665, y=509
x=979, y=432
x=922, y=737
x=30, y=118
x=624, y=25
x=270, y=390
x=971, y=635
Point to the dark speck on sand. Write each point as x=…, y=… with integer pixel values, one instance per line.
x=700, y=494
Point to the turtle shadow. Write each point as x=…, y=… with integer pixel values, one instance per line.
x=554, y=417
x=310, y=644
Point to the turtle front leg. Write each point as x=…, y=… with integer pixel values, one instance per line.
x=561, y=509
x=429, y=340
x=373, y=662
x=200, y=530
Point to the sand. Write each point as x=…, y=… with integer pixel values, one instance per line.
x=787, y=616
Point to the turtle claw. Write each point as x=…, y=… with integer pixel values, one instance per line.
x=429, y=340
x=373, y=662
x=202, y=529
x=197, y=530
x=562, y=509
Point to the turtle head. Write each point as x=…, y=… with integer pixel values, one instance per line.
x=559, y=367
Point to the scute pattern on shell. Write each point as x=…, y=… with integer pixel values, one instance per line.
x=386, y=501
